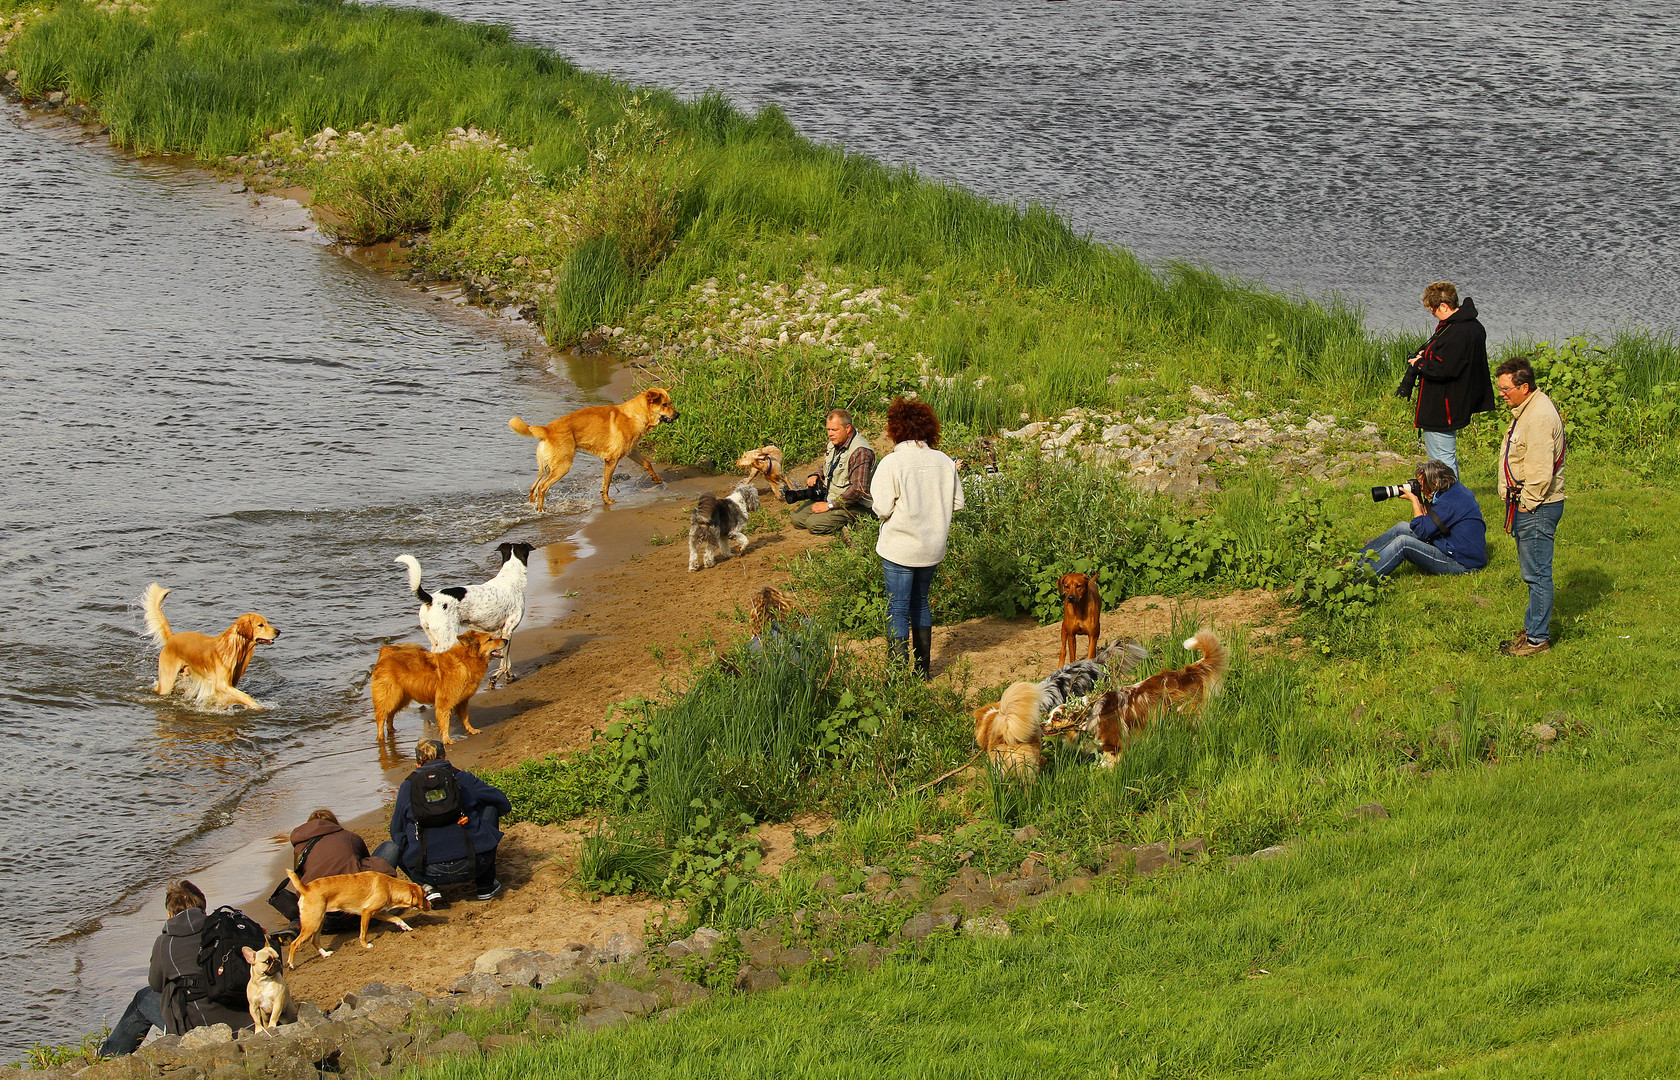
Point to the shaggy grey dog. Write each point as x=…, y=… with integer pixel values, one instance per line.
x=718, y=524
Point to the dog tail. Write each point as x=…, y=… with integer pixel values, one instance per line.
x=520, y=427
x=1210, y=669
x=152, y=604
x=297, y=882
x=1018, y=713
x=1122, y=657
x=413, y=565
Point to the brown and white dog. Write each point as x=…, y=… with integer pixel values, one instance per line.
x=1010, y=731
x=214, y=665
x=1081, y=614
x=766, y=461
x=266, y=993
x=610, y=432
x=1118, y=716
x=445, y=680
x=366, y=894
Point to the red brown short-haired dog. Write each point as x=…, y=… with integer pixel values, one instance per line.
x=610, y=432
x=446, y=680
x=214, y=664
x=1081, y=614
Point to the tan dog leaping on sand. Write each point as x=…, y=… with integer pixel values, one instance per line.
x=214, y=665
x=610, y=432
x=766, y=461
x=366, y=894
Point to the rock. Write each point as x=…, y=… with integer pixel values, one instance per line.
x=495, y=1044
x=875, y=883
x=753, y=980
x=704, y=938
x=1073, y=886
x=596, y=1019
x=970, y=875
x=795, y=958
x=387, y=1015
x=917, y=927
x=366, y=1050
x=205, y=1037
x=826, y=883
x=621, y=947
x=1026, y=835
x=1271, y=852
x=1370, y=811
x=685, y=994
x=1193, y=846
x=1543, y=733
x=55, y=98
x=524, y=968
x=1144, y=859
x=1013, y=892
x=452, y=1044
x=309, y=1014
x=488, y=962
x=676, y=950
x=612, y=995
x=564, y=1001
x=867, y=955
x=477, y=984
x=986, y=926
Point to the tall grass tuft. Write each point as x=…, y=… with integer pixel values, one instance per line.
x=366, y=198
x=595, y=286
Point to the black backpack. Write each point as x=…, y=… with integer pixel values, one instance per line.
x=226, y=932
x=434, y=797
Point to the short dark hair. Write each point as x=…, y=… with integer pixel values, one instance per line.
x=181, y=896
x=324, y=814
x=1438, y=475
x=1437, y=293
x=1520, y=370
x=912, y=421
x=842, y=415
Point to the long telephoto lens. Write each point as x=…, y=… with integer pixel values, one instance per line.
x=1394, y=491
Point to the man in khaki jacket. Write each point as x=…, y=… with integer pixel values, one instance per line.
x=1531, y=484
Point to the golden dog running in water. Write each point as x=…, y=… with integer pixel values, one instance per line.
x=214, y=665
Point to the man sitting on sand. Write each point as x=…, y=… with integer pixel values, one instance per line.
x=839, y=495
x=168, y=1000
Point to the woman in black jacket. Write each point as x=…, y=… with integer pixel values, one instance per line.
x=1453, y=369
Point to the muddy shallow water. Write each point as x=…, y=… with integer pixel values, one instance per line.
x=196, y=390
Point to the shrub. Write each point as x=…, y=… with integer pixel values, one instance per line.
x=366, y=198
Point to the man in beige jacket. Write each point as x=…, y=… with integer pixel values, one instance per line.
x=1531, y=485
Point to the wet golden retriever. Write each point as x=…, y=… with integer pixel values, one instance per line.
x=214, y=665
x=367, y=894
x=610, y=432
x=446, y=680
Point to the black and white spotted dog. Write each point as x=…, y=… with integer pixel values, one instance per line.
x=717, y=524
x=494, y=606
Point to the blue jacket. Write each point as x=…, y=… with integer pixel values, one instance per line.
x=1462, y=535
x=484, y=805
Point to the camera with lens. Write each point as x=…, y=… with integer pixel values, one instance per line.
x=1395, y=491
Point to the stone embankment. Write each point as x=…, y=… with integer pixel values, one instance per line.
x=1177, y=457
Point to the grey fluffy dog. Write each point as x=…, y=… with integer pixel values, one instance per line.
x=718, y=524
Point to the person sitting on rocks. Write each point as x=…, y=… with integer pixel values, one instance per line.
x=1446, y=536
x=444, y=826
x=166, y=1001
x=321, y=847
x=839, y=495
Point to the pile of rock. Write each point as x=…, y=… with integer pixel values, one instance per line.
x=1177, y=457
x=286, y=149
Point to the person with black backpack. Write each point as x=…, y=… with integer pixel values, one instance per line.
x=444, y=826
x=197, y=975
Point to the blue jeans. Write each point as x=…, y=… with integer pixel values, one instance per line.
x=449, y=873
x=1534, y=532
x=1442, y=446
x=143, y=1014
x=907, y=597
x=1399, y=545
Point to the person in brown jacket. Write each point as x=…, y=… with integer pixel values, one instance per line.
x=321, y=847
x=1531, y=484
x=164, y=1002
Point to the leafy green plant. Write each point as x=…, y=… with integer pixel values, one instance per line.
x=378, y=195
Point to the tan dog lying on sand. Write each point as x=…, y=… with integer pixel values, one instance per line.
x=266, y=993
x=214, y=665
x=366, y=894
x=610, y=432
x=446, y=681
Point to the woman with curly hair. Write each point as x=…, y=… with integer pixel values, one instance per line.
x=915, y=492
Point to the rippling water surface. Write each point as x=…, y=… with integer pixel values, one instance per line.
x=1528, y=151
x=193, y=392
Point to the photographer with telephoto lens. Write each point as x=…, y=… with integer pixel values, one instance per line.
x=1446, y=533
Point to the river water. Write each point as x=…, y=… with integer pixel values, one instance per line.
x=195, y=392
x=1527, y=151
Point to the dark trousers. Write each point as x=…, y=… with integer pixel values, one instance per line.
x=438, y=875
x=143, y=1014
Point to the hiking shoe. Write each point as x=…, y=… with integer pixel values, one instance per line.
x=432, y=895
x=1522, y=646
x=494, y=891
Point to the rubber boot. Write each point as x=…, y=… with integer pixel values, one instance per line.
x=921, y=639
x=898, y=651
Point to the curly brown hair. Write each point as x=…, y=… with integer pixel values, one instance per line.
x=912, y=421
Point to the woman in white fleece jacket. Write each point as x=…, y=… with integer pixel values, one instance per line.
x=915, y=492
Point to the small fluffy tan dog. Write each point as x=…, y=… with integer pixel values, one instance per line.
x=446, y=680
x=214, y=665
x=366, y=894
x=1008, y=730
x=266, y=993
x=766, y=461
x=610, y=432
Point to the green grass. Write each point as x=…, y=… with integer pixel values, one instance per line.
x=1503, y=922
